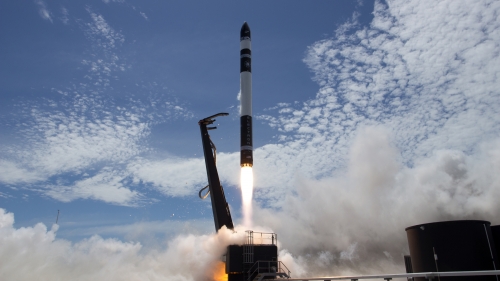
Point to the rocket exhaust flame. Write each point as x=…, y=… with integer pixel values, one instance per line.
x=247, y=194
x=220, y=272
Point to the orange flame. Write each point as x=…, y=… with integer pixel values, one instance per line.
x=220, y=272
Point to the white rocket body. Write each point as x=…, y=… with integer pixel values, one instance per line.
x=246, y=158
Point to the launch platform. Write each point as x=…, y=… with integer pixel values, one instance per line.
x=256, y=259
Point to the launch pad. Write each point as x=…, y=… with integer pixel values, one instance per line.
x=256, y=259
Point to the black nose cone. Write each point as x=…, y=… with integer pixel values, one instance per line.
x=245, y=31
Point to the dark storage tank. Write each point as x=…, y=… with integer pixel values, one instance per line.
x=495, y=230
x=465, y=245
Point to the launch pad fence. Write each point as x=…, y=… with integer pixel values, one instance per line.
x=426, y=275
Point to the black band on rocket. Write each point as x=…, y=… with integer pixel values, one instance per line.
x=246, y=141
x=245, y=65
x=245, y=60
x=245, y=52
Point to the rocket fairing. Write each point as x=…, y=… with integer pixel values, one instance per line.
x=246, y=159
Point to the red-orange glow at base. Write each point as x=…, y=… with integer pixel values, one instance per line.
x=220, y=272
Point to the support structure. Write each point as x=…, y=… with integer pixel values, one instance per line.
x=220, y=208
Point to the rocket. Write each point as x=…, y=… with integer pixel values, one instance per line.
x=246, y=159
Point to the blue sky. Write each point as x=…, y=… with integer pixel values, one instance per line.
x=167, y=65
x=364, y=110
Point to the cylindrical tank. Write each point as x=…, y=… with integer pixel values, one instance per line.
x=464, y=245
x=495, y=231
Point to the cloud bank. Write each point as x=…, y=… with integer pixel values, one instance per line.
x=84, y=143
x=426, y=71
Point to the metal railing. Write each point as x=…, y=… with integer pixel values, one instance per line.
x=272, y=267
x=426, y=275
x=261, y=238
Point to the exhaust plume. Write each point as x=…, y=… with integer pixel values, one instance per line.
x=247, y=194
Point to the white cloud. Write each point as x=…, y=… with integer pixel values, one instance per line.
x=70, y=142
x=43, y=10
x=13, y=174
x=108, y=186
x=79, y=137
x=116, y=1
x=100, y=29
x=82, y=137
x=65, y=15
x=84, y=131
x=173, y=177
x=423, y=69
x=182, y=177
x=105, y=61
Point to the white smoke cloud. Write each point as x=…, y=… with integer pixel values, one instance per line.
x=34, y=253
x=354, y=222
